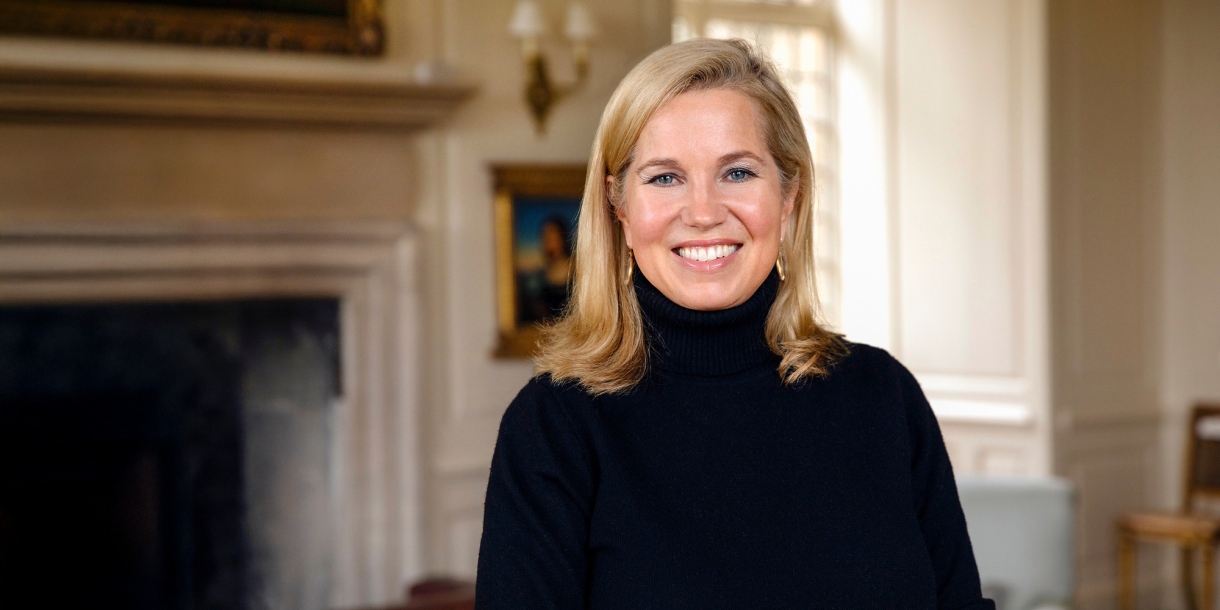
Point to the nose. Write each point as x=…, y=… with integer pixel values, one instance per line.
x=704, y=207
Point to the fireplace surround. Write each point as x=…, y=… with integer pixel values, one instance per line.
x=368, y=268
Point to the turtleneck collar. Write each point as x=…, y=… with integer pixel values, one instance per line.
x=706, y=343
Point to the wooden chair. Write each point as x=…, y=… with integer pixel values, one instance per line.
x=1190, y=531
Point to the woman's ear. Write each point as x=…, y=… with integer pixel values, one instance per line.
x=620, y=210
x=789, y=203
x=785, y=216
x=608, y=193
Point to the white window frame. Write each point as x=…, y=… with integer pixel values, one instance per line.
x=698, y=12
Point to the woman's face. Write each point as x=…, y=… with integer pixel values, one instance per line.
x=552, y=241
x=703, y=209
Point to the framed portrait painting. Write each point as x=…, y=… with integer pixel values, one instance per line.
x=536, y=208
x=353, y=27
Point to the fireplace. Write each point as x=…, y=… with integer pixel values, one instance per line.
x=168, y=455
x=217, y=417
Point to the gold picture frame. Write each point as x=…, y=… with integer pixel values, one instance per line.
x=532, y=204
x=356, y=30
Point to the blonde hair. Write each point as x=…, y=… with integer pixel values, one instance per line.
x=599, y=342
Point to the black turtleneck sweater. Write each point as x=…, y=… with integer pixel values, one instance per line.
x=713, y=485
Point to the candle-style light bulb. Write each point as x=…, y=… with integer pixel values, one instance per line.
x=527, y=25
x=580, y=26
x=527, y=21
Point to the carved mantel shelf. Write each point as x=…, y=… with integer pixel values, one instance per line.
x=56, y=94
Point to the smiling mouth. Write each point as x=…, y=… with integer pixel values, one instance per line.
x=707, y=253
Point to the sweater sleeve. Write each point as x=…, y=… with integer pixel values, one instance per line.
x=938, y=508
x=535, y=521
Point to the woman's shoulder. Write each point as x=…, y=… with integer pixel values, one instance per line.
x=543, y=399
x=869, y=361
x=873, y=371
x=540, y=441
x=876, y=372
x=545, y=388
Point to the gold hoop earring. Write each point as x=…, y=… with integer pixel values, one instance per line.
x=779, y=264
x=630, y=267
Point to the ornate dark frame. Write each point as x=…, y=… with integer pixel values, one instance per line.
x=512, y=181
x=362, y=33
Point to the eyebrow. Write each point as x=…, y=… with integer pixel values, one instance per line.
x=736, y=156
x=667, y=162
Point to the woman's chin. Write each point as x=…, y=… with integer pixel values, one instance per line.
x=710, y=295
x=708, y=285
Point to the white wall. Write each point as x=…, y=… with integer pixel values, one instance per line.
x=971, y=203
x=943, y=213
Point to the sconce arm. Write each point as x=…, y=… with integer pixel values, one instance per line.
x=541, y=93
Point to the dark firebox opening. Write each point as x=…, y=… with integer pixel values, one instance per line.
x=121, y=449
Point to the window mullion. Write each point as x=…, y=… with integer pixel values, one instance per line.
x=699, y=11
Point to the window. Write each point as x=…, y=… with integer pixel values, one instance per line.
x=798, y=35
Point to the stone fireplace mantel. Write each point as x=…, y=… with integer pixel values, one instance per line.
x=77, y=93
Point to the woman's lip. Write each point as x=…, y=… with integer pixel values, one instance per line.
x=704, y=243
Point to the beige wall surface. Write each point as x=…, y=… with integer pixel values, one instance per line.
x=1192, y=203
x=1105, y=208
x=1191, y=315
x=1135, y=214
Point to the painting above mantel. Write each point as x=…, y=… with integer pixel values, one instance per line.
x=320, y=26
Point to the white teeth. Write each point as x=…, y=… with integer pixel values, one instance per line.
x=704, y=254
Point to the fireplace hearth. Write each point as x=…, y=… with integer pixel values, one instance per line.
x=169, y=455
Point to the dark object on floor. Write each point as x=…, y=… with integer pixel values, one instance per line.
x=1189, y=530
x=441, y=594
x=437, y=593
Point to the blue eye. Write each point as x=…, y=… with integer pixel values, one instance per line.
x=663, y=180
x=737, y=175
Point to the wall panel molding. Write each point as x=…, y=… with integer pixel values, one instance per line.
x=972, y=286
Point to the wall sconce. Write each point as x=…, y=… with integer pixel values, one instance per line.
x=527, y=24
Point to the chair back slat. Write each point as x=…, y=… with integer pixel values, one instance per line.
x=1203, y=455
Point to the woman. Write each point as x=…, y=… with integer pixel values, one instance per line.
x=557, y=264
x=694, y=438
